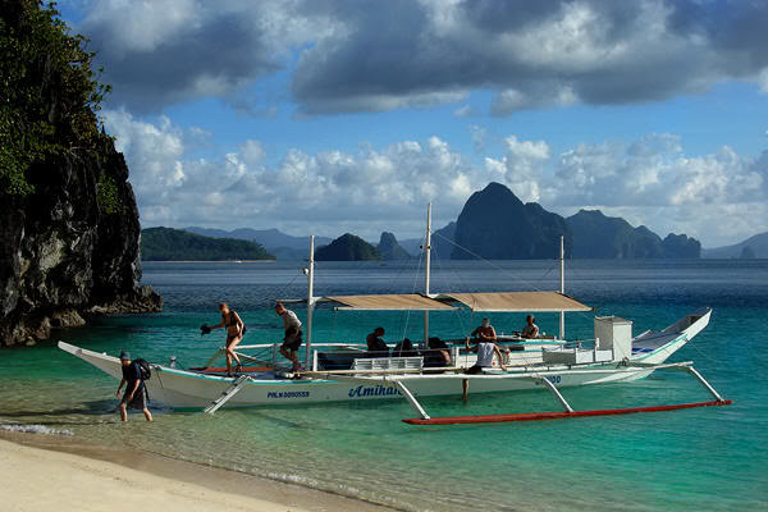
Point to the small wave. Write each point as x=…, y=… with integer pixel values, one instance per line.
x=20, y=428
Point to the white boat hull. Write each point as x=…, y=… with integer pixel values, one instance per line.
x=187, y=389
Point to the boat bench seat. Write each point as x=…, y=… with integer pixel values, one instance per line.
x=388, y=363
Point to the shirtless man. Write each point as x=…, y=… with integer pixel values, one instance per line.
x=485, y=331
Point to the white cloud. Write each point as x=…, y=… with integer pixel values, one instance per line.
x=717, y=197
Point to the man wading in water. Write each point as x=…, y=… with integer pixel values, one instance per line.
x=135, y=395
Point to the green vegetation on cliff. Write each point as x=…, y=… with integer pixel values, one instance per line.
x=496, y=225
x=167, y=244
x=69, y=224
x=49, y=94
x=348, y=247
x=601, y=237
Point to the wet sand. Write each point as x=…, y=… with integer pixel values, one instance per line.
x=41, y=472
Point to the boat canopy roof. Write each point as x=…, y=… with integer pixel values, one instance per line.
x=509, y=302
x=499, y=302
x=393, y=302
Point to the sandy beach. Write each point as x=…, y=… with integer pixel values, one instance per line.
x=51, y=473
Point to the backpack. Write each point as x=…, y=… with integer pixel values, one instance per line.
x=146, y=371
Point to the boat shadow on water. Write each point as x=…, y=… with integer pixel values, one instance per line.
x=66, y=415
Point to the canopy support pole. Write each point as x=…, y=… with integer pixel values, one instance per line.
x=310, y=300
x=412, y=400
x=562, y=285
x=557, y=393
x=427, y=268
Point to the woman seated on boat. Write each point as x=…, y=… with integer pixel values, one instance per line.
x=235, y=331
x=376, y=345
x=293, y=334
x=531, y=330
x=437, y=355
x=404, y=349
x=485, y=349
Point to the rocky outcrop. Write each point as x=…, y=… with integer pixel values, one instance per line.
x=348, y=247
x=62, y=256
x=390, y=250
x=495, y=224
x=681, y=247
x=753, y=247
x=597, y=236
x=69, y=225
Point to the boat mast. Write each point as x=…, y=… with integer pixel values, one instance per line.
x=427, y=268
x=562, y=284
x=310, y=299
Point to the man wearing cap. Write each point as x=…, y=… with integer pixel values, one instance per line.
x=134, y=395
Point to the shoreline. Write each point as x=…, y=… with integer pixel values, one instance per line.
x=91, y=473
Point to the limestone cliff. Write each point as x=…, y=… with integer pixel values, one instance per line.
x=348, y=247
x=390, y=249
x=495, y=224
x=69, y=224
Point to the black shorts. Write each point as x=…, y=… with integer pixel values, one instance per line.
x=473, y=370
x=139, y=399
x=293, y=339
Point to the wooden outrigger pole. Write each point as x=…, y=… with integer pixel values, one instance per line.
x=569, y=412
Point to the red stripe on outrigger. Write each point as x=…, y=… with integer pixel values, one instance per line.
x=555, y=415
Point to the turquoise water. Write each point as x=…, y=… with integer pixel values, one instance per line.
x=699, y=459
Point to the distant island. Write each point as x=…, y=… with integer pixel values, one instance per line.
x=281, y=245
x=495, y=224
x=167, y=244
x=598, y=236
x=348, y=247
x=390, y=250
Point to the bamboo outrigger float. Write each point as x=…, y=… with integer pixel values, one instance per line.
x=344, y=372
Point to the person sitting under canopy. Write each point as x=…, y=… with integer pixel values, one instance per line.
x=531, y=330
x=485, y=331
x=376, y=345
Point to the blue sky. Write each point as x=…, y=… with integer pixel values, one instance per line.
x=331, y=116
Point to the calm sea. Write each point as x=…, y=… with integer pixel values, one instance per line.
x=700, y=459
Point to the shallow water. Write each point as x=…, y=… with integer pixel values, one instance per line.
x=700, y=459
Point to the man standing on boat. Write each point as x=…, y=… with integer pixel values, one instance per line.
x=531, y=330
x=293, y=335
x=486, y=350
x=134, y=396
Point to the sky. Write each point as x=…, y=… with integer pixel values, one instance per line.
x=332, y=116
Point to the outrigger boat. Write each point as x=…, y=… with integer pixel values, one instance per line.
x=345, y=372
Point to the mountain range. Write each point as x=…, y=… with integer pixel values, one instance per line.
x=495, y=224
x=277, y=243
x=753, y=247
x=167, y=244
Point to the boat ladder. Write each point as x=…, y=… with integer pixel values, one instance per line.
x=228, y=393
